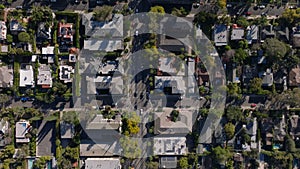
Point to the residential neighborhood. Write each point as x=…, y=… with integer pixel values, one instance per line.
x=149, y=84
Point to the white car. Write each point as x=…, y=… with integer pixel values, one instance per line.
x=141, y=111
x=136, y=33
x=262, y=6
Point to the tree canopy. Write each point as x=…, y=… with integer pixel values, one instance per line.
x=205, y=20
x=274, y=49
x=184, y=163
x=239, y=56
x=234, y=113
x=103, y=14
x=255, y=85
x=41, y=14
x=23, y=37
x=157, y=9
x=229, y=129
x=221, y=155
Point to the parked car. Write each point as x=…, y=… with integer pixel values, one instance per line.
x=262, y=6
x=253, y=105
x=197, y=5
x=99, y=2
x=77, y=1
x=24, y=99
x=248, y=13
x=229, y=5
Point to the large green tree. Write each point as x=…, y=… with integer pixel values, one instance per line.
x=41, y=14
x=221, y=155
x=274, y=49
x=205, y=20
x=255, y=86
x=240, y=56
x=229, y=129
x=234, y=113
x=184, y=163
x=157, y=9
x=23, y=37
x=103, y=13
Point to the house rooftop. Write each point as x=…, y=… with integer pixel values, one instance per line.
x=16, y=26
x=26, y=76
x=49, y=50
x=237, y=34
x=252, y=33
x=6, y=76
x=44, y=77
x=267, y=78
x=65, y=73
x=169, y=146
x=168, y=162
x=113, y=84
x=107, y=45
x=105, y=144
x=102, y=163
x=99, y=122
x=22, y=128
x=164, y=125
x=220, y=35
x=176, y=83
x=43, y=32
x=66, y=130
x=294, y=76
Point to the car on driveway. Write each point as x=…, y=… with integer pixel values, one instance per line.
x=253, y=105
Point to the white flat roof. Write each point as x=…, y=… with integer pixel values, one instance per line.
x=26, y=76
x=103, y=45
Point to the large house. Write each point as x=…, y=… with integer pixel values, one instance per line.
x=220, y=35
x=22, y=128
x=44, y=78
x=103, y=36
x=26, y=76
x=294, y=77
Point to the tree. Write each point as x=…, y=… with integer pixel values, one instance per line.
x=103, y=14
x=41, y=14
x=290, y=145
x=290, y=17
x=152, y=165
x=157, y=9
x=234, y=91
x=239, y=56
x=23, y=37
x=275, y=50
x=183, y=163
x=130, y=124
x=174, y=115
x=130, y=147
x=9, y=38
x=205, y=20
x=221, y=155
x=179, y=12
x=255, y=86
x=242, y=21
x=41, y=162
x=222, y=3
x=234, y=113
x=4, y=98
x=229, y=129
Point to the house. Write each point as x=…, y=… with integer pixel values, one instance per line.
x=163, y=123
x=237, y=33
x=284, y=34
x=109, y=67
x=4, y=48
x=294, y=127
x=294, y=77
x=26, y=76
x=3, y=30
x=267, y=32
x=66, y=73
x=252, y=34
x=44, y=78
x=248, y=74
x=65, y=33
x=66, y=130
x=169, y=40
x=103, y=36
x=100, y=122
x=15, y=27
x=102, y=163
x=22, y=128
x=43, y=33
x=6, y=76
x=279, y=129
x=170, y=84
x=169, y=146
x=280, y=79
x=252, y=131
x=220, y=35
x=72, y=58
x=267, y=78
x=49, y=50
x=104, y=144
x=103, y=85
x=267, y=131
x=296, y=37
